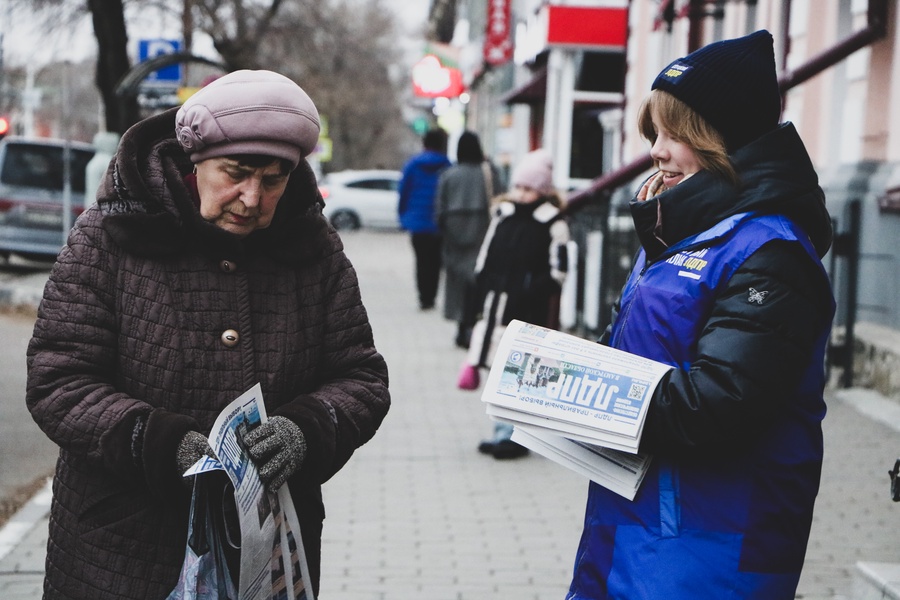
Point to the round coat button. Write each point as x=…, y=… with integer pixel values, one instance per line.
x=227, y=266
x=230, y=338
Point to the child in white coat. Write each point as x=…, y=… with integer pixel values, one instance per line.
x=519, y=273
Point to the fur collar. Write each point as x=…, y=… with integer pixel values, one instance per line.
x=543, y=211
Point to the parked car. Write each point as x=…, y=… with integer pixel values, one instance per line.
x=355, y=199
x=31, y=194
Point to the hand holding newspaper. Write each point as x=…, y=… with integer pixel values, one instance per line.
x=574, y=401
x=273, y=564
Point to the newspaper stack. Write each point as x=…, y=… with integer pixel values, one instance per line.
x=578, y=403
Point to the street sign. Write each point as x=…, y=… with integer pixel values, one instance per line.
x=498, y=44
x=148, y=49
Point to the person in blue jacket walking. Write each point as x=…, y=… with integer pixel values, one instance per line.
x=728, y=288
x=418, y=189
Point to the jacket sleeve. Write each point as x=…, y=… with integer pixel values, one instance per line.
x=559, y=259
x=405, y=188
x=72, y=362
x=352, y=398
x=497, y=182
x=440, y=203
x=750, y=356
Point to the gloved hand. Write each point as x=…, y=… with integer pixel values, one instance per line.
x=191, y=448
x=277, y=448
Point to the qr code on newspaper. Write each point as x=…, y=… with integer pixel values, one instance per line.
x=637, y=391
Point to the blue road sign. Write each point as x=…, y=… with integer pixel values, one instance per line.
x=148, y=49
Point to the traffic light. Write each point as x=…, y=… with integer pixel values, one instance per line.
x=4, y=127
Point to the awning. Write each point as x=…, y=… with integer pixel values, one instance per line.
x=531, y=92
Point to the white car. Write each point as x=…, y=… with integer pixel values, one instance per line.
x=355, y=199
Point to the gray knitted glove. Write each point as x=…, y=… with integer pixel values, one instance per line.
x=191, y=448
x=277, y=448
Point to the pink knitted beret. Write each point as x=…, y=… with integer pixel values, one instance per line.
x=248, y=112
x=535, y=170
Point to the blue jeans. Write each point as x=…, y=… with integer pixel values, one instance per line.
x=502, y=431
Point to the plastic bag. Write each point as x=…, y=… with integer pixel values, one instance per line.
x=204, y=572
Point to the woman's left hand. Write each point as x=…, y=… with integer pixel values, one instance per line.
x=277, y=448
x=652, y=187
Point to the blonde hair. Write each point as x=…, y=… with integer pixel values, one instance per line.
x=689, y=128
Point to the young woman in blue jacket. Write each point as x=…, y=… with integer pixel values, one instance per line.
x=728, y=288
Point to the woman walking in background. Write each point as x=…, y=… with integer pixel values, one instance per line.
x=418, y=188
x=462, y=213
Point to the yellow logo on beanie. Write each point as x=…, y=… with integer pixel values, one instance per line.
x=675, y=71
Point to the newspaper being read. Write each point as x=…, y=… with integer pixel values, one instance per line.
x=273, y=563
x=574, y=401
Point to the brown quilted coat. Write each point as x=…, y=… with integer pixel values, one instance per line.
x=129, y=352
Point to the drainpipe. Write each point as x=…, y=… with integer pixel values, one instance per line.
x=875, y=29
x=847, y=244
x=553, y=101
x=785, y=33
x=696, y=13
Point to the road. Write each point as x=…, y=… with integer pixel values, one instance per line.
x=26, y=455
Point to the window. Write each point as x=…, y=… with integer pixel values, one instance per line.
x=601, y=72
x=375, y=184
x=41, y=166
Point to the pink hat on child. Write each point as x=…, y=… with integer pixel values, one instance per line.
x=535, y=170
x=248, y=112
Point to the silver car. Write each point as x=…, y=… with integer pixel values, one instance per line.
x=31, y=194
x=365, y=198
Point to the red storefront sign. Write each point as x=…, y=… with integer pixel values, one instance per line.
x=433, y=80
x=584, y=26
x=498, y=45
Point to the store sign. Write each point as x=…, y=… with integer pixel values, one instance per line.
x=431, y=79
x=587, y=27
x=498, y=45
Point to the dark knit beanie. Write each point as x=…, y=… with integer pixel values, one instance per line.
x=731, y=84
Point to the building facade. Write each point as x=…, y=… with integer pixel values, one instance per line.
x=577, y=93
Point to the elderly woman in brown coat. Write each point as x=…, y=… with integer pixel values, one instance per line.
x=204, y=268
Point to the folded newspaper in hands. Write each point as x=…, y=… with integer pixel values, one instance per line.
x=273, y=563
x=574, y=401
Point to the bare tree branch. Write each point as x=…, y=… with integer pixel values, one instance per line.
x=341, y=52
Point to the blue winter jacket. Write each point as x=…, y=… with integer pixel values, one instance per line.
x=418, y=188
x=729, y=289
